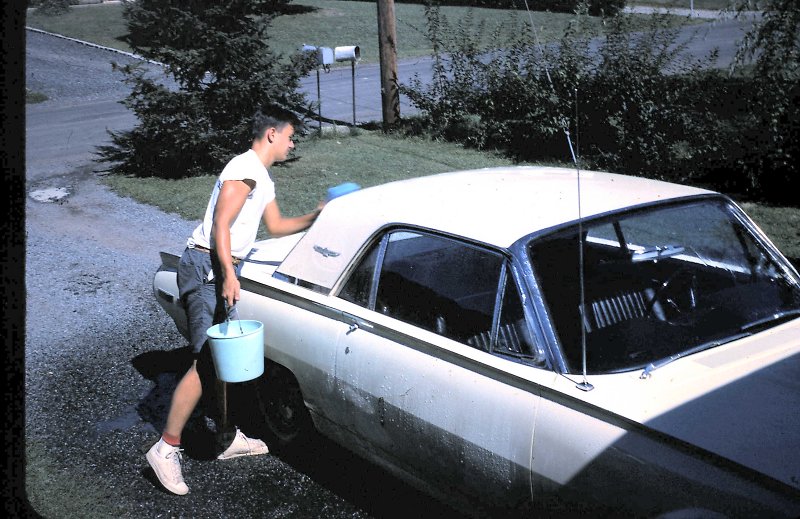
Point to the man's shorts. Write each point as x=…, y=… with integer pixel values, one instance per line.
x=201, y=298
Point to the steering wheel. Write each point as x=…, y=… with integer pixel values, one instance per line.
x=674, y=298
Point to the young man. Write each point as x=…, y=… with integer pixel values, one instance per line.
x=208, y=271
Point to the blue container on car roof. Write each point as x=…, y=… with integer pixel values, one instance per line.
x=341, y=190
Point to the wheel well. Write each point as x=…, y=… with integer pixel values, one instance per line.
x=272, y=368
x=283, y=407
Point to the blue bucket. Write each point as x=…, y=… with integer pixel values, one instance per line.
x=237, y=348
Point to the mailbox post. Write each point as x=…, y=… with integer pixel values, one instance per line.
x=352, y=54
x=323, y=57
x=387, y=45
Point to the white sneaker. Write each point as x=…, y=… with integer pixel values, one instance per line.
x=166, y=463
x=243, y=446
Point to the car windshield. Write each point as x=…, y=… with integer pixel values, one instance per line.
x=659, y=283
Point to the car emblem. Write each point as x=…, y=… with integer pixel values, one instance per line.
x=325, y=252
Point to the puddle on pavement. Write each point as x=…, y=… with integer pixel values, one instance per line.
x=50, y=194
x=124, y=422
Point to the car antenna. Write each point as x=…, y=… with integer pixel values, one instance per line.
x=584, y=385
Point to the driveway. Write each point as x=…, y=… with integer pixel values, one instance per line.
x=101, y=359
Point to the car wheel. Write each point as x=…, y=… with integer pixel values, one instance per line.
x=284, y=410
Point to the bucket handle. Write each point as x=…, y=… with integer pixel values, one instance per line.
x=228, y=311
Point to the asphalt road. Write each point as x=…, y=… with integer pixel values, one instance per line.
x=101, y=358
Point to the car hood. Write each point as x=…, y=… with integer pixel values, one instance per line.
x=740, y=401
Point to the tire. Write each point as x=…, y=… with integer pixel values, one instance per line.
x=284, y=411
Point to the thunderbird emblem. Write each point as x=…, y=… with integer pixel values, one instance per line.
x=325, y=252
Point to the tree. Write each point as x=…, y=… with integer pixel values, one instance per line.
x=773, y=40
x=222, y=70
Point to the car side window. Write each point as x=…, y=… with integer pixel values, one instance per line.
x=439, y=284
x=446, y=287
x=512, y=336
x=359, y=284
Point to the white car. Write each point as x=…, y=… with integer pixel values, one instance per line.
x=471, y=334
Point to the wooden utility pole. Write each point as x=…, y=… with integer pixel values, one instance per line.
x=387, y=46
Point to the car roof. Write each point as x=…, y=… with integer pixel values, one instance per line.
x=496, y=206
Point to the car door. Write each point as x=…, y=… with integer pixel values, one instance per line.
x=416, y=369
x=300, y=333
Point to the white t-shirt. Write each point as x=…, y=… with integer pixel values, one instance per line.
x=245, y=227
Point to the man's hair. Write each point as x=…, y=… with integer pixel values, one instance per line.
x=273, y=117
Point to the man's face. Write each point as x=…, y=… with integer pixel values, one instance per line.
x=282, y=142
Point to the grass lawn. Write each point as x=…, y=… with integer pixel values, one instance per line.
x=367, y=158
x=713, y=5
x=338, y=23
x=102, y=24
x=781, y=224
x=32, y=97
x=331, y=24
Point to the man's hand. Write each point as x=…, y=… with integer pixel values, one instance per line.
x=277, y=225
x=230, y=290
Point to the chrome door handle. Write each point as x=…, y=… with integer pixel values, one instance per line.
x=355, y=323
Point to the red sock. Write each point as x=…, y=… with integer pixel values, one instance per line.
x=175, y=441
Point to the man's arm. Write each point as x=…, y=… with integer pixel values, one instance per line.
x=277, y=225
x=230, y=201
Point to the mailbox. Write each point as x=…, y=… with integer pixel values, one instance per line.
x=322, y=55
x=348, y=53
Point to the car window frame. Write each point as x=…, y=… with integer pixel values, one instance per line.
x=543, y=317
x=508, y=270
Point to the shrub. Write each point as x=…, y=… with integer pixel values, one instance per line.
x=596, y=7
x=53, y=7
x=636, y=104
x=646, y=109
x=770, y=56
